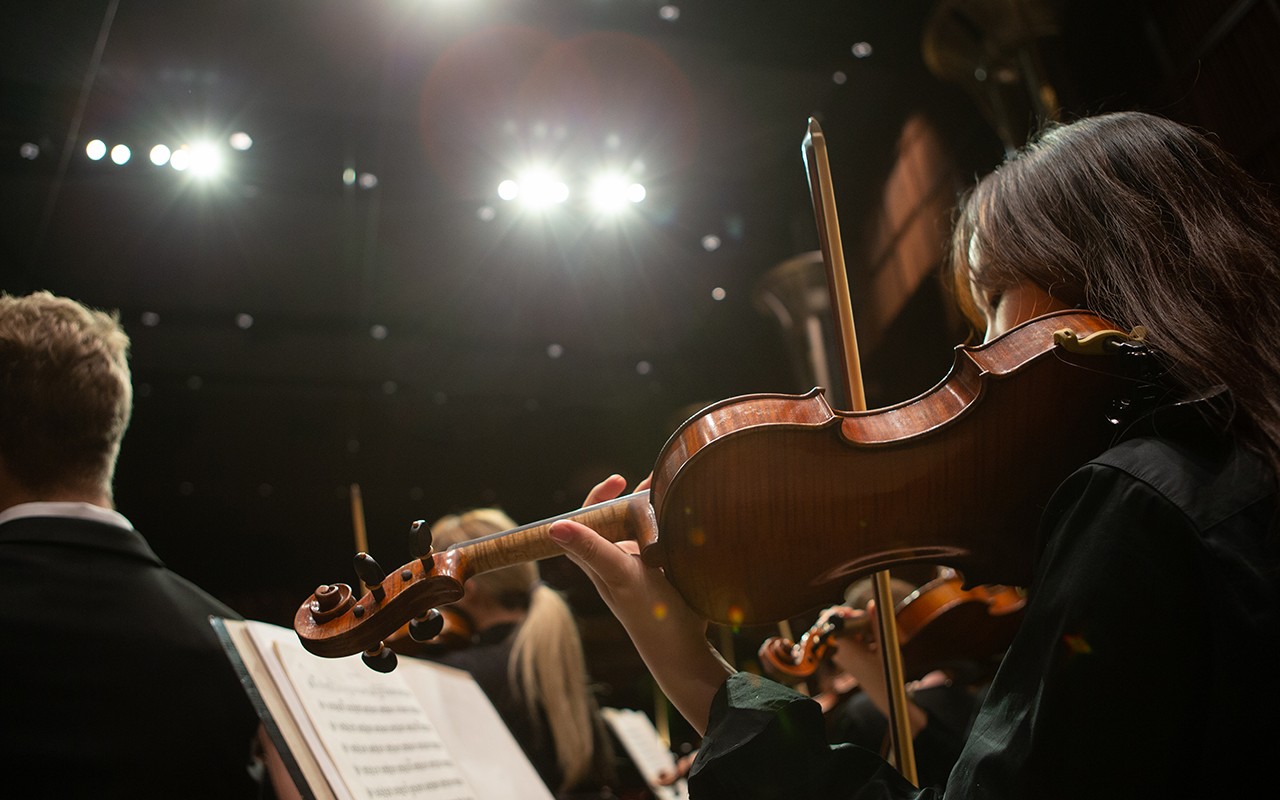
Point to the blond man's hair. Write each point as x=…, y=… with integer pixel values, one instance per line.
x=65, y=393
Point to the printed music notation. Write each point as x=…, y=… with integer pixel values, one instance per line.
x=344, y=732
x=372, y=726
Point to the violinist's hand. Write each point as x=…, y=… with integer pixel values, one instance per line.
x=853, y=647
x=669, y=636
x=856, y=650
x=668, y=777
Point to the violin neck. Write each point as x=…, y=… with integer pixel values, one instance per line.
x=627, y=517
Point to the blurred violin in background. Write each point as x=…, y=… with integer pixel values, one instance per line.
x=941, y=625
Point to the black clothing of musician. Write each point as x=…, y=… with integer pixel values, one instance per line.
x=1141, y=669
x=117, y=686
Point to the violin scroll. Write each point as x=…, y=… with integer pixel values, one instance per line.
x=798, y=660
x=333, y=623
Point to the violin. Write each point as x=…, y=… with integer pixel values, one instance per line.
x=939, y=624
x=765, y=506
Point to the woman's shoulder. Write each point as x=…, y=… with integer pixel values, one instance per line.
x=1210, y=476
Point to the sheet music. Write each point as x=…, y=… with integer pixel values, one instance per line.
x=379, y=738
x=647, y=750
x=489, y=759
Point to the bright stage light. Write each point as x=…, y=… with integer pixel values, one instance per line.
x=609, y=193
x=181, y=159
x=540, y=189
x=240, y=141
x=206, y=159
x=120, y=154
x=160, y=155
x=508, y=190
x=95, y=149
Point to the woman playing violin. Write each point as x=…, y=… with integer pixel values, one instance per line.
x=1142, y=666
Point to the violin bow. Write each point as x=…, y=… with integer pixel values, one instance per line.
x=357, y=524
x=818, y=169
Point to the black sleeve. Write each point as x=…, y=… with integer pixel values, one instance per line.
x=767, y=742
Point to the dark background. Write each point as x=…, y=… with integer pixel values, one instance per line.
x=245, y=441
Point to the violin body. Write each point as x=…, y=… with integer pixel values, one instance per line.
x=944, y=625
x=765, y=506
x=770, y=505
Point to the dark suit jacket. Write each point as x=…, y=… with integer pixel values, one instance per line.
x=116, y=685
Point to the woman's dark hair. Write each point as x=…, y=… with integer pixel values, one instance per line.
x=1144, y=222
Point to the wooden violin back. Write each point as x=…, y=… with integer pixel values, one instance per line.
x=771, y=505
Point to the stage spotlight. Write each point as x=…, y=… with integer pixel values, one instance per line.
x=539, y=189
x=180, y=159
x=160, y=155
x=95, y=149
x=609, y=193
x=612, y=192
x=29, y=151
x=349, y=176
x=120, y=154
x=206, y=159
x=240, y=141
x=508, y=190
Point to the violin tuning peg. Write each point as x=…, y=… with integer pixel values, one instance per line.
x=379, y=659
x=420, y=539
x=371, y=574
x=426, y=627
